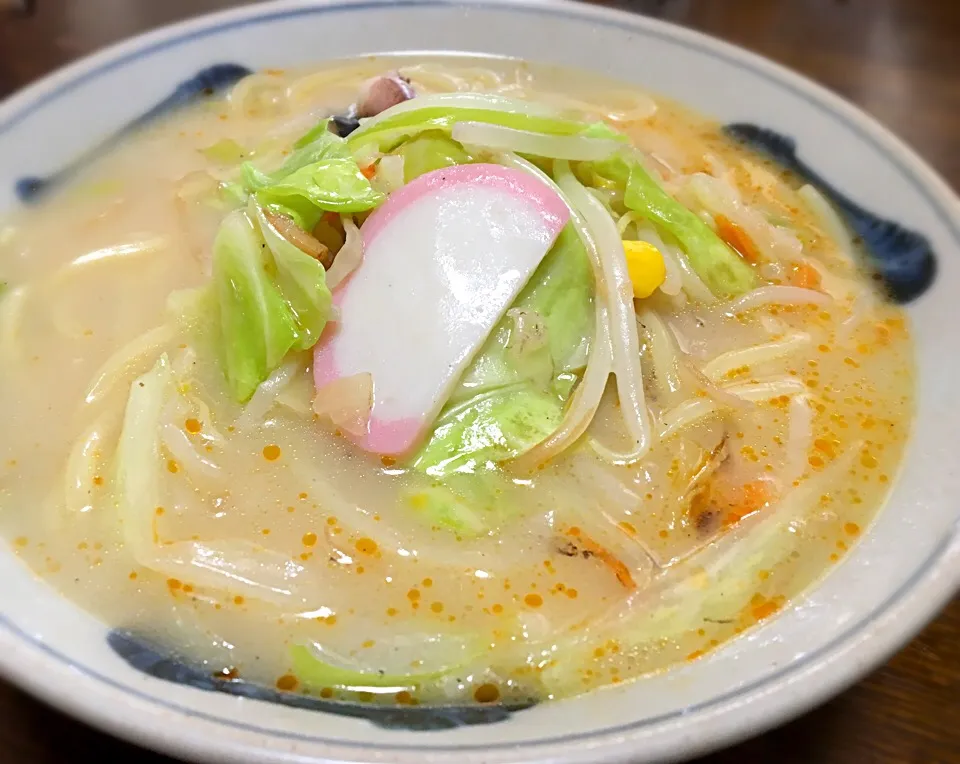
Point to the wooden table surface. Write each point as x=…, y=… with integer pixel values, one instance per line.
x=897, y=59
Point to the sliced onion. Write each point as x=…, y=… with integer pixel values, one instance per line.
x=346, y=402
x=768, y=388
x=389, y=175
x=499, y=138
x=178, y=444
x=684, y=415
x=266, y=394
x=238, y=566
x=84, y=463
x=721, y=396
x=349, y=257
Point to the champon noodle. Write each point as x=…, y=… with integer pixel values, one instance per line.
x=440, y=380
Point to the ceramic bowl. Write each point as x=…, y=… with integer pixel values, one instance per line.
x=899, y=575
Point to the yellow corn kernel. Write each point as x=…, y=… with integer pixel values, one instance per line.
x=645, y=266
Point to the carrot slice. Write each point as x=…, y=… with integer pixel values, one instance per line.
x=805, y=276
x=753, y=496
x=737, y=238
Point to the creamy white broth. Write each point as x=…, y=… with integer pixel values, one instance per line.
x=591, y=573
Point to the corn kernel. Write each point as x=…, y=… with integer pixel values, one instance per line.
x=645, y=266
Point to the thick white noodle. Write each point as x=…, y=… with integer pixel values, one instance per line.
x=832, y=224
x=84, y=464
x=586, y=398
x=11, y=316
x=178, y=444
x=695, y=409
x=129, y=359
x=751, y=356
x=775, y=295
x=663, y=355
x=624, y=340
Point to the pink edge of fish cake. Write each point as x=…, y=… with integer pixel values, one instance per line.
x=522, y=185
x=398, y=435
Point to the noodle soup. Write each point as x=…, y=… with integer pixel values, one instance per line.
x=506, y=383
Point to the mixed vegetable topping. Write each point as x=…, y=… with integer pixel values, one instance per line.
x=494, y=344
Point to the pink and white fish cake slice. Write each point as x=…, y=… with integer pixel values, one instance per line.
x=444, y=257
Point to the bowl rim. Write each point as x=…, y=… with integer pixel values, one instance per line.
x=723, y=720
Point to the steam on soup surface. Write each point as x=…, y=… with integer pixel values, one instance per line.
x=512, y=393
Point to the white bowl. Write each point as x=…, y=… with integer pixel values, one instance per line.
x=902, y=572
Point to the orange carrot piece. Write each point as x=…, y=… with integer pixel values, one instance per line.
x=805, y=276
x=369, y=171
x=754, y=495
x=737, y=238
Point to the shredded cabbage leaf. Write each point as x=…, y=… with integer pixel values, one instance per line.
x=513, y=395
x=317, y=674
x=721, y=269
x=390, y=128
x=429, y=151
x=320, y=176
x=491, y=427
x=302, y=282
x=272, y=298
x=316, y=146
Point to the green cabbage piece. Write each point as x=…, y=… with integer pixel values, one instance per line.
x=471, y=502
x=302, y=281
x=560, y=294
x=508, y=401
x=315, y=146
x=271, y=299
x=316, y=674
x=318, y=132
x=334, y=185
x=490, y=427
x=319, y=176
x=429, y=151
x=722, y=269
x=389, y=132
x=505, y=403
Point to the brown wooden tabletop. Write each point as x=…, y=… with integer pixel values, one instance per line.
x=897, y=59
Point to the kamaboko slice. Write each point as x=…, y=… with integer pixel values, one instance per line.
x=444, y=257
